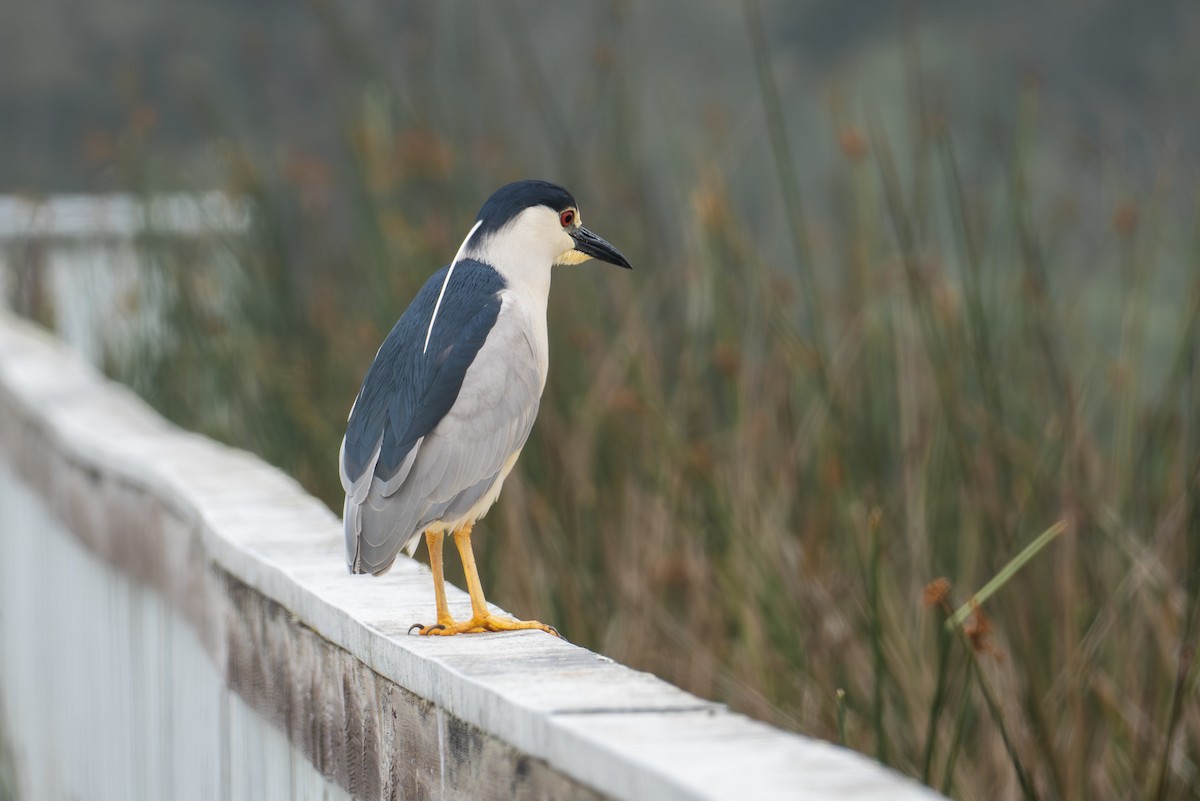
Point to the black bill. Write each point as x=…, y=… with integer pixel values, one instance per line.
x=598, y=248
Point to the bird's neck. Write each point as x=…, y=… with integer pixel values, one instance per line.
x=526, y=271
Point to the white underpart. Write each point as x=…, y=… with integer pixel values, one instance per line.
x=521, y=325
x=457, y=258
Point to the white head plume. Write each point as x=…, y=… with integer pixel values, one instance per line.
x=457, y=257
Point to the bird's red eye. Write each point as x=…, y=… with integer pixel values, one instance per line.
x=567, y=217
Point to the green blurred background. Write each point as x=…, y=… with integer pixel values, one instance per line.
x=915, y=282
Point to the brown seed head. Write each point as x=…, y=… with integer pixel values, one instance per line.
x=1125, y=220
x=979, y=632
x=853, y=143
x=726, y=358
x=937, y=592
x=875, y=518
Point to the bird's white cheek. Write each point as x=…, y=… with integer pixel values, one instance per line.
x=572, y=256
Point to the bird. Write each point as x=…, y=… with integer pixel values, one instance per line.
x=451, y=396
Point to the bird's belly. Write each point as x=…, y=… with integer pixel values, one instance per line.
x=481, y=506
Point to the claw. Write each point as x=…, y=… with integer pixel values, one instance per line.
x=479, y=625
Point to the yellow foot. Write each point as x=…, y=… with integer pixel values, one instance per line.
x=477, y=625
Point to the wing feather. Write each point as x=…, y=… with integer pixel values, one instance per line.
x=454, y=466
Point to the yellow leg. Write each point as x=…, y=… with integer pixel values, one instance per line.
x=481, y=618
x=433, y=541
x=462, y=541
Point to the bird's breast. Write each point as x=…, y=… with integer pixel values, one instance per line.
x=529, y=313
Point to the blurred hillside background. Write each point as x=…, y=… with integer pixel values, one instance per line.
x=917, y=294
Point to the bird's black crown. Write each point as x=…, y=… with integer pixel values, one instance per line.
x=510, y=200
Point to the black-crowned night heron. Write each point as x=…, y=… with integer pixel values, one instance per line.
x=448, y=403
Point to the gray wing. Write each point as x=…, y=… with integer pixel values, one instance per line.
x=454, y=466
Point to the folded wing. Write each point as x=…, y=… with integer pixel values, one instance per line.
x=433, y=431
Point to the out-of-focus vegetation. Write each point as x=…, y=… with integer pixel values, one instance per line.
x=772, y=460
x=8, y=778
